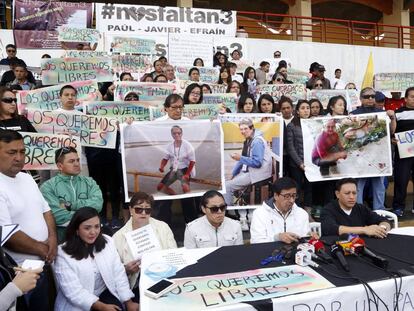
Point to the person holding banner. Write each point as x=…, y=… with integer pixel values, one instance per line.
x=169, y=73
x=68, y=96
x=9, y=118
x=140, y=208
x=198, y=62
x=246, y=104
x=225, y=76
x=20, y=77
x=193, y=94
x=249, y=81
x=157, y=69
x=266, y=104
x=194, y=74
x=336, y=106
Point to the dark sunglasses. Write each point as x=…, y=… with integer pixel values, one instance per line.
x=139, y=210
x=215, y=209
x=279, y=80
x=368, y=96
x=9, y=100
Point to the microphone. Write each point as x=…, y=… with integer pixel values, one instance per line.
x=303, y=258
x=359, y=245
x=337, y=252
x=320, y=250
x=307, y=248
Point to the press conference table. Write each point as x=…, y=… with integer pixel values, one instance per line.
x=347, y=295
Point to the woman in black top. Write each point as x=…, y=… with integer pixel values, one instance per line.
x=9, y=117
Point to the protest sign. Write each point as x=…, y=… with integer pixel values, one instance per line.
x=145, y=146
x=297, y=76
x=343, y=146
x=48, y=98
x=142, y=240
x=92, y=131
x=293, y=91
x=72, y=34
x=64, y=70
x=146, y=91
x=86, y=54
x=138, y=111
x=207, y=74
x=229, y=100
x=133, y=45
x=351, y=97
x=36, y=22
x=199, y=293
x=193, y=112
x=131, y=63
x=40, y=149
x=183, y=49
x=181, y=85
x=393, y=81
x=405, y=143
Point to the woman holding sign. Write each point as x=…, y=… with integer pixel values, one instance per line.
x=140, y=208
x=88, y=269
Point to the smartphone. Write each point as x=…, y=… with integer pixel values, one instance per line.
x=160, y=288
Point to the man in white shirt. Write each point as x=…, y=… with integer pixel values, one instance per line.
x=213, y=229
x=279, y=218
x=174, y=107
x=22, y=203
x=68, y=96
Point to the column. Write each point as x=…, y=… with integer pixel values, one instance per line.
x=185, y=3
x=302, y=28
x=399, y=17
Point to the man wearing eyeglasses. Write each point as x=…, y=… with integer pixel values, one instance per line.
x=367, y=97
x=11, y=51
x=279, y=218
x=69, y=191
x=213, y=229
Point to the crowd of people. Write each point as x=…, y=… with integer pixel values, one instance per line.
x=63, y=221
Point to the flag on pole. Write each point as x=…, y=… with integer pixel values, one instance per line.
x=369, y=73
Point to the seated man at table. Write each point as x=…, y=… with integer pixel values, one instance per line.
x=68, y=191
x=345, y=216
x=213, y=229
x=279, y=218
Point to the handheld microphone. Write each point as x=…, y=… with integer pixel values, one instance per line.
x=337, y=252
x=303, y=258
x=307, y=248
x=320, y=250
x=359, y=245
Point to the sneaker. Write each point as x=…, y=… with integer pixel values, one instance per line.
x=244, y=225
x=399, y=212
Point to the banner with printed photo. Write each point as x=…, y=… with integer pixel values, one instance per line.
x=135, y=110
x=347, y=146
x=133, y=45
x=267, y=132
x=405, y=144
x=36, y=22
x=132, y=63
x=82, y=35
x=41, y=148
x=193, y=112
x=152, y=164
x=293, y=91
x=228, y=100
x=393, y=81
x=48, y=98
x=217, y=291
x=65, y=70
x=351, y=97
x=99, y=132
x=207, y=74
x=158, y=20
x=147, y=91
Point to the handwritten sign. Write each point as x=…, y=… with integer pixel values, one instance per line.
x=146, y=91
x=64, y=70
x=297, y=76
x=70, y=34
x=48, y=98
x=293, y=91
x=41, y=147
x=133, y=45
x=393, y=81
x=405, y=143
x=351, y=97
x=80, y=54
x=207, y=74
x=197, y=293
x=227, y=99
x=92, y=131
x=138, y=111
x=131, y=63
x=142, y=240
x=215, y=87
x=193, y=112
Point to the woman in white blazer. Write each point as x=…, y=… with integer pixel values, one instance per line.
x=89, y=272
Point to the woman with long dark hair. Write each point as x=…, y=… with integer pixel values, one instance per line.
x=88, y=270
x=193, y=94
x=246, y=104
x=249, y=81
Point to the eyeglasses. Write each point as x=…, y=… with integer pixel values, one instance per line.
x=177, y=108
x=368, y=96
x=139, y=210
x=195, y=94
x=316, y=85
x=279, y=79
x=9, y=100
x=215, y=209
x=288, y=196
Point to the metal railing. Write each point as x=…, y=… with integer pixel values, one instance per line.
x=326, y=30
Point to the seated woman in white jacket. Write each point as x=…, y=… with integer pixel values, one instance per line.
x=140, y=208
x=89, y=272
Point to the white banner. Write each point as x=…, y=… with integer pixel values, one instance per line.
x=117, y=18
x=182, y=50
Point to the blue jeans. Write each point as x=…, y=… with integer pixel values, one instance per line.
x=378, y=191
